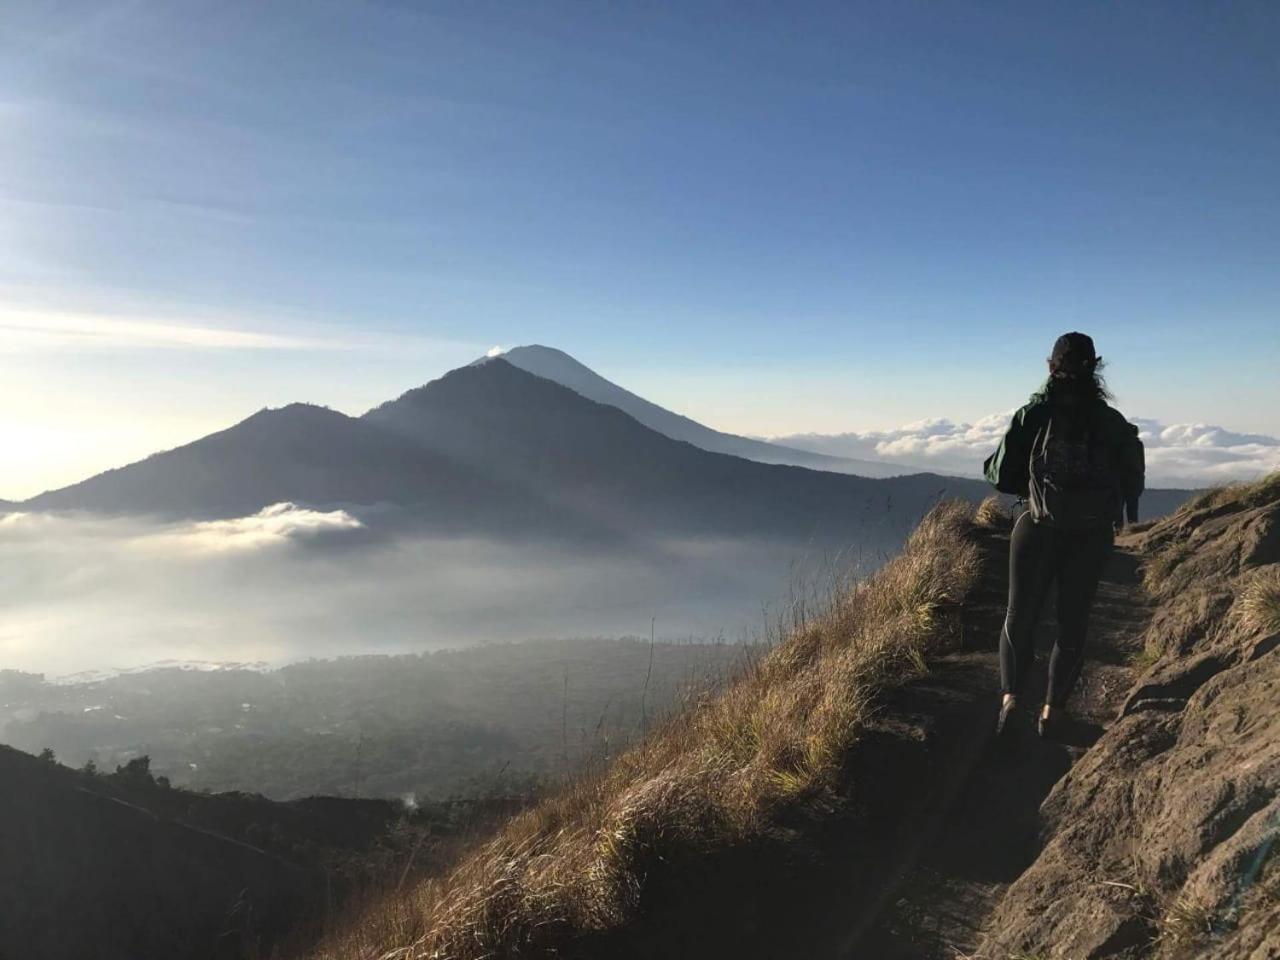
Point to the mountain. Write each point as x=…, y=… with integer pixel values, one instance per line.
x=557, y=365
x=598, y=461
x=304, y=454
x=493, y=449
x=300, y=452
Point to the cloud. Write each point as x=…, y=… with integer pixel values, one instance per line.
x=22, y=330
x=1202, y=453
x=84, y=592
x=270, y=526
x=1184, y=454
x=20, y=520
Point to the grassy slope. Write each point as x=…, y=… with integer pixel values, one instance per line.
x=720, y=776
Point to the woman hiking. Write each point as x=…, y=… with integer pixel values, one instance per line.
x=1078, y=465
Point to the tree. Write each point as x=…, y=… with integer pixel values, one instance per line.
x=137, y=772
x=47, y=755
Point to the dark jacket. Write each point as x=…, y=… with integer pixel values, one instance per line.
x=1009, y=468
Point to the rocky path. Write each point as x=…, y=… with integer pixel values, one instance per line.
x=989, y=832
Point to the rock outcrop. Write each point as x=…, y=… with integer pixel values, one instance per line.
x=1161, y=840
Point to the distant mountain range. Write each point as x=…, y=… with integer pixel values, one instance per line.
x=498, y=448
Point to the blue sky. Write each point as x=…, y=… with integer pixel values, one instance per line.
x=775, y=218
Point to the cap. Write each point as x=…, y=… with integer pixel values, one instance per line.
x=1073, y=353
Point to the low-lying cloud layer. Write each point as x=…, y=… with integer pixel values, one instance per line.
x=84, y=593
x=1178, y=455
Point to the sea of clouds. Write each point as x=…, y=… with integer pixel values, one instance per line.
x=85, y=593
x=1178, y=455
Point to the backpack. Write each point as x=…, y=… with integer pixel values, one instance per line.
x=1073, y=477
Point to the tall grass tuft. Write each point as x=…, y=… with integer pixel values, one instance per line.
x=1244, y=494
x=1258, y=604
x=992, y=514
x=716, y=775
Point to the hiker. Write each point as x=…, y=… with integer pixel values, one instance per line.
x=1078, y=465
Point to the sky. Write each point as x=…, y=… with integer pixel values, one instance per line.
x=775, y=218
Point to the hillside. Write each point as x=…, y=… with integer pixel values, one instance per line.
x=558, y=366
x=300, y=453
x=844, y=798
x=692, y=843
x=121, y=867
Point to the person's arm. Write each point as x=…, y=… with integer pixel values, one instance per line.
x=1133, y=475
x=1008, y=469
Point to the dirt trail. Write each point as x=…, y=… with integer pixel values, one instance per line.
x=987, y=833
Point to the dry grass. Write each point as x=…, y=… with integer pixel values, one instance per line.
x=1258, y=605
x=715, y=776
x=1157, y=568
x=1244, y=495
x=1144, y=659
x=1185, y=924
x=993, y=515
x=1161, y=565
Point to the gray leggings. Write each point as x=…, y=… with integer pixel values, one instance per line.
x=1039, y=555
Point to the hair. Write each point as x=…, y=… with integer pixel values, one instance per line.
x=1092, y=377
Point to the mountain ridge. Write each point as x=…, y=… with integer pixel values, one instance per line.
x=561, y=441
x=492, y=447
x=289, y=453
x=556, y=365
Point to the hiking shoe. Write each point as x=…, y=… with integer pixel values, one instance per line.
x=1050, y=727
x=1004, y=724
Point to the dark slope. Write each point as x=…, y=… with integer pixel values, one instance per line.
x=90, y=867
x=558, y=366
x=508, y=423
x=305, y=454
x=122, y=867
